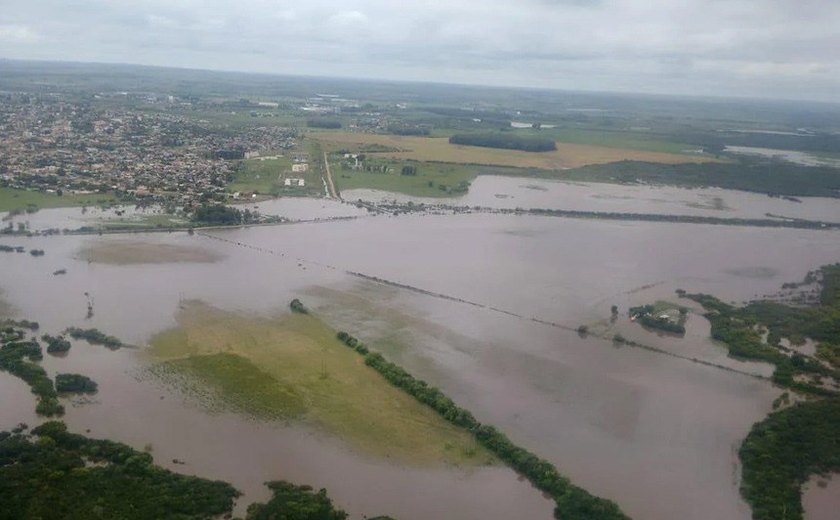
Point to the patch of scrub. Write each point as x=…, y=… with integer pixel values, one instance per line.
x=131, y=252
x=292, y=366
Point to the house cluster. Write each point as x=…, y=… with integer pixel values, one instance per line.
x=63, y=145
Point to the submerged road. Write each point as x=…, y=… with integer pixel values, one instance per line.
x=330, y=184
x=487, y=307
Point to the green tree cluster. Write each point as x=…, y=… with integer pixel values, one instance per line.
x=783, y=451
x=95, y=337
x=297, y=306
x=221, y=215
x=17, y=356
x=507, y=141
x=75, y=383
x=291, y=502
x=739, y=329
x=64, y=476
x=56, y=344
x=646, y=315
x=323, y=123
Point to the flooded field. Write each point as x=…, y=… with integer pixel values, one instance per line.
x=512, y=192
x=74, y=218
x=656, y=433
x=796, y=157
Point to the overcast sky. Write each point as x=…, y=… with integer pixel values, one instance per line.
x=762, y=48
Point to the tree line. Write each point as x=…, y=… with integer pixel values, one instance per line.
x=323, y=123
x=509, y=141
x=221, y=215
x=95, y=337
x=571, y=502
x=773, y=177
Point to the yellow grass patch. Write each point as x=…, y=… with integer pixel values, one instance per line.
x=567, y=155
x=325, y=383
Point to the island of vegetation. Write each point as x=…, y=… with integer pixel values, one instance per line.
x=21, y=324
x=661, y=316
x=743, y=329
x=506, y=140
x=56, y=344
x=95, y=337
x=297, y=306
x=11, y=249
x=783, y=451
x=18, y=356
x=75, y=384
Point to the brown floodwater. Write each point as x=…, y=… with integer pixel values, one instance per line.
x=656, y=433
x=516, y=192
x=821, y=498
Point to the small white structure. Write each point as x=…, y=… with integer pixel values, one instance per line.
x=294, y=182
x=300, y=168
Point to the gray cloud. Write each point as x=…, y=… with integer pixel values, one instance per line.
x=763, y=48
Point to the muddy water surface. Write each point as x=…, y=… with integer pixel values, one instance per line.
x=512, y=192
x=656, y=433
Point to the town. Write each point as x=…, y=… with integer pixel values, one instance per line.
x=53, y=143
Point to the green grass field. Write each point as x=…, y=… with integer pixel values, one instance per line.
x=260, y=176
x=146, y=221
x=293, y=367
x=12, y=199
x=266, y=176
x=432, y=179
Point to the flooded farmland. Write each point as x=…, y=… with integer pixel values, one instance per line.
x=511, y=192
x=656, y=433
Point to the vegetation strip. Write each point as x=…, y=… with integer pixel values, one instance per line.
x=572, y=502
x=739, y=328
x=95, y=337
x=602, y=215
